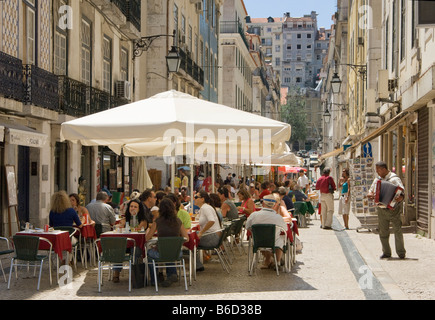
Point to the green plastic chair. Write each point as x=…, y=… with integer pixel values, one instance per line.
x=263, y=238
x=169, y=252
x=26, y=250
x=5, y=253
x=73, y=231
x=218, y=248
x=236, y=229
x=113, y=254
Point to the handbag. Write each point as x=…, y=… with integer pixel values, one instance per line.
x=330, y=188
x=138, y=275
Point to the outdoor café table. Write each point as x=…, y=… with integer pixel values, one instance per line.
x=87, y=231
x=139, y=237
x=58, y=238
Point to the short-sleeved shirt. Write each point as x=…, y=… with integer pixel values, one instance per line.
x=102, y=214
x=164, y=229
x=303, y=181
x=184, y=216
x=233, y=213
x=64, y=219
x=206, y=214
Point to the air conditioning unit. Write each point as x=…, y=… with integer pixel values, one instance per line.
x=198, y=7
x=123, y=90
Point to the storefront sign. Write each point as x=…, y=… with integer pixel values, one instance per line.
x=25, y=138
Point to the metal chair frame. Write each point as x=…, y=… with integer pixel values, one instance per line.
x=40, y=259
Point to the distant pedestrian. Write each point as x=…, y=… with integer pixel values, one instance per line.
x=385, y=215
x=303, y=181
x=344, y=201
x=326, y=185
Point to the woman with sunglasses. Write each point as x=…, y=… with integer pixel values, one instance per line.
x=209, y=223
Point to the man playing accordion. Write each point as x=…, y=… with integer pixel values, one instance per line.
x=386, y=212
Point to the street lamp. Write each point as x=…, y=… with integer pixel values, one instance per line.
x=336, y=83
x=173, y=59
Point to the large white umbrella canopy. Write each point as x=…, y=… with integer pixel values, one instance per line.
x=174, y=123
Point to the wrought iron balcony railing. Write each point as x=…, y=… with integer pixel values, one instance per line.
x=191, y=68
x=11, y=77
x=40, y=87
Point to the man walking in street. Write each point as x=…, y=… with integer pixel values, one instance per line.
x=326, y=185
x=386, y=215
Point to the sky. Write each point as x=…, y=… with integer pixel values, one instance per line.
x=297, y=8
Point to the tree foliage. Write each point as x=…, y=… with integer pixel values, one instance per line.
x=294, y=113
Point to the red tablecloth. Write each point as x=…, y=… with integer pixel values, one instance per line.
x=59, y=239
x=193, y=240
x=139, y=237
x=88, y=231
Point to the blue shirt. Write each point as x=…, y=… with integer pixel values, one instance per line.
x=64, y=219
x=345, y=188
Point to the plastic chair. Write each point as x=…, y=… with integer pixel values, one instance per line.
x=26, y=250
x=218, y=248
x=236, y=229
x=264, y=238
x=73, y=231
x=5, y=254
x=169, y=252
x=114, y=255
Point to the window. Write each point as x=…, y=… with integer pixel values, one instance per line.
x=59, y=53
x=277, y=48
x=308, y=46
x=107, y=64
x=86, y=52
x=278, y=61
x=298, y=46
x=124, y=64
x=308, y=35
x=277, y=37
x=30, y=30
x=298, y=79
x=299, y=36
x=176, y=24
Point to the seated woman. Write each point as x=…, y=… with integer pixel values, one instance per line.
x=209, y=224
x=166, y=225
x=135, y=215
x=248, y=205
x=182, y=214
x=228, y=208
x=299, y=195
x=62, y=214
x=82, y=212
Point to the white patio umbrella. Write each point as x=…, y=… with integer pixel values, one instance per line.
x=173, y=123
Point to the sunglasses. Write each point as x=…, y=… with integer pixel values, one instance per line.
x=196, y=197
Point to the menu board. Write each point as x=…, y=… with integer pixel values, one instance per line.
x=362, y=174
x=11, y=185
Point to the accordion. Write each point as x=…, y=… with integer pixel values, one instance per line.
x=386, y=193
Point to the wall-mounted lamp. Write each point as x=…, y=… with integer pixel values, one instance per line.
x=173, y=59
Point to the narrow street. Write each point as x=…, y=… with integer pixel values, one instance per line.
x=334, y=265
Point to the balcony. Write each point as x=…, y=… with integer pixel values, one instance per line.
x=11, y=77
x=124, y=13
x=40, y=87
x=77, y=99
x=234, y=27
x=191, y=68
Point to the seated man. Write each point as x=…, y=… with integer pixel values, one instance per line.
x=101, y=212
x=268, y=215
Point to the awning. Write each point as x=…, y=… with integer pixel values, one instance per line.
x=381, y=130
x=336, y=152
x=21, y=135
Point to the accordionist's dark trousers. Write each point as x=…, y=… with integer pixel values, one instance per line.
x=385, y=216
